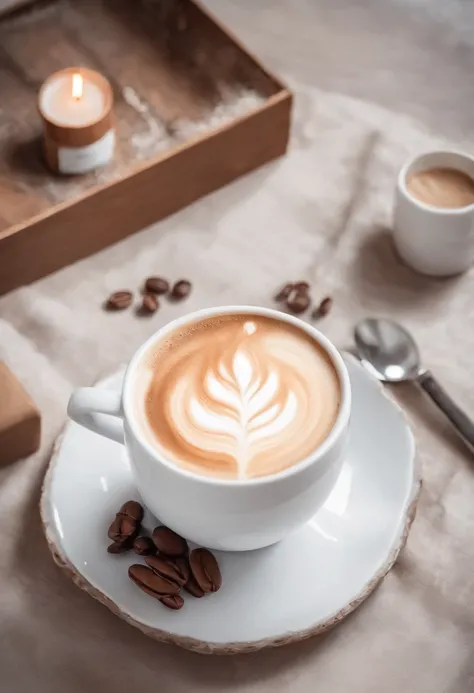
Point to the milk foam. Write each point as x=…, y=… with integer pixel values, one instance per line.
x=240, y=397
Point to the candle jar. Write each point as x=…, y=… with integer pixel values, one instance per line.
x=76, y=108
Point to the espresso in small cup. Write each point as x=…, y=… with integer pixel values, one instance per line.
x=238, y=396
x=446, y=188
x=433, y=222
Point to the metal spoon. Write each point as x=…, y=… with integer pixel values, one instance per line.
x=390, y=353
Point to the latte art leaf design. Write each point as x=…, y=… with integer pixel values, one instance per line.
x=244, y=400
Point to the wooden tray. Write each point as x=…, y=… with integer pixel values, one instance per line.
x=193, y=111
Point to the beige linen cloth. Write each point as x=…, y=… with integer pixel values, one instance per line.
x=321, y=214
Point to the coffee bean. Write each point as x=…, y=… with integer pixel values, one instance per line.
x=118, y=547
x=205, y=570
x=174, y=601
x=126, y=523
x=181, y=289
x=182, y=566
x=169, y=543
x=301, y=287
x=323, y=308
x=122, y=529
x=115, y=530
x=193, y=588
x=298, y=302
x=157, y=285
x=150, y=303
x=284, y=292
x=144, y=546
x=168, y=569
x=133, y=510
x=151, y=583
x=119, y=300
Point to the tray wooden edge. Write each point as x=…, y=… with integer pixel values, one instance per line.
x=78, y=228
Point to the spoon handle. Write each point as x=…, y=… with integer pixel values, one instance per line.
x=461, y=422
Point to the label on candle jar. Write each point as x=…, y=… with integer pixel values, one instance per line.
x=76, y=160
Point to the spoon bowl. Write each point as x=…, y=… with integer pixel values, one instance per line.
x=387, y=350
x=390, y=353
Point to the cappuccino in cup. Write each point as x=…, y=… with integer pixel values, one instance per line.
x=235, y=421
x=237, y=396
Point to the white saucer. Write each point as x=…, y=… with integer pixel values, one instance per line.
x=281, y=594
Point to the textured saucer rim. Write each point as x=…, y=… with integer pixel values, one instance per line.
x=230, y=648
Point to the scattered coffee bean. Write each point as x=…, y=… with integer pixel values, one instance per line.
x=284, y=292
x=182, y=566
x=115, y=529
x=133, y=510
x=150, y=303
x=118, y=547
x=323, y=308
x=173, y=568
x=172, y=601
x=193, y=588
x=298, y=301
x=151, y=583
x=205, y=570
x=325, y=305
x=181, y=289
x=144, y=546
x=157, y=285
x=168, y=569
x=119, y=300
x=123, y=529
x=126, y=525
x=169, y=543
x=301, y=286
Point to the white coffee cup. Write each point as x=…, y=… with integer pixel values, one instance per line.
x=432, y=240
x=233, y=515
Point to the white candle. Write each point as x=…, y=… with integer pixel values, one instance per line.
x=76, y=104
x=59, y=105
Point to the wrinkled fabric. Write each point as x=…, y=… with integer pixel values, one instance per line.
x=364, y=102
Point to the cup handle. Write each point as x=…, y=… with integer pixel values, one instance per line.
x=99, y=411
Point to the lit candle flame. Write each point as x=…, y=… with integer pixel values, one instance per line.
x=77, y=86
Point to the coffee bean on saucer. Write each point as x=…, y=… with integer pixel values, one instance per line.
x=152, y=583
x=150, y=304
x=133, y=510
x=144, y=546
x=119, y=547
x=126, y=524
x=323, y=308
x=157, y=285
x=119, y=300
x=284, y=292
x=182, y=566
x=181, y=290
x=205, y=570
x=168, y=569
x=172, y=601
x=169, y=543
x=123, y=529
x=193, y=588
x=298, y=301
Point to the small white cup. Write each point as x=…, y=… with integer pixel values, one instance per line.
x=432, y=240
x=232, y=515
